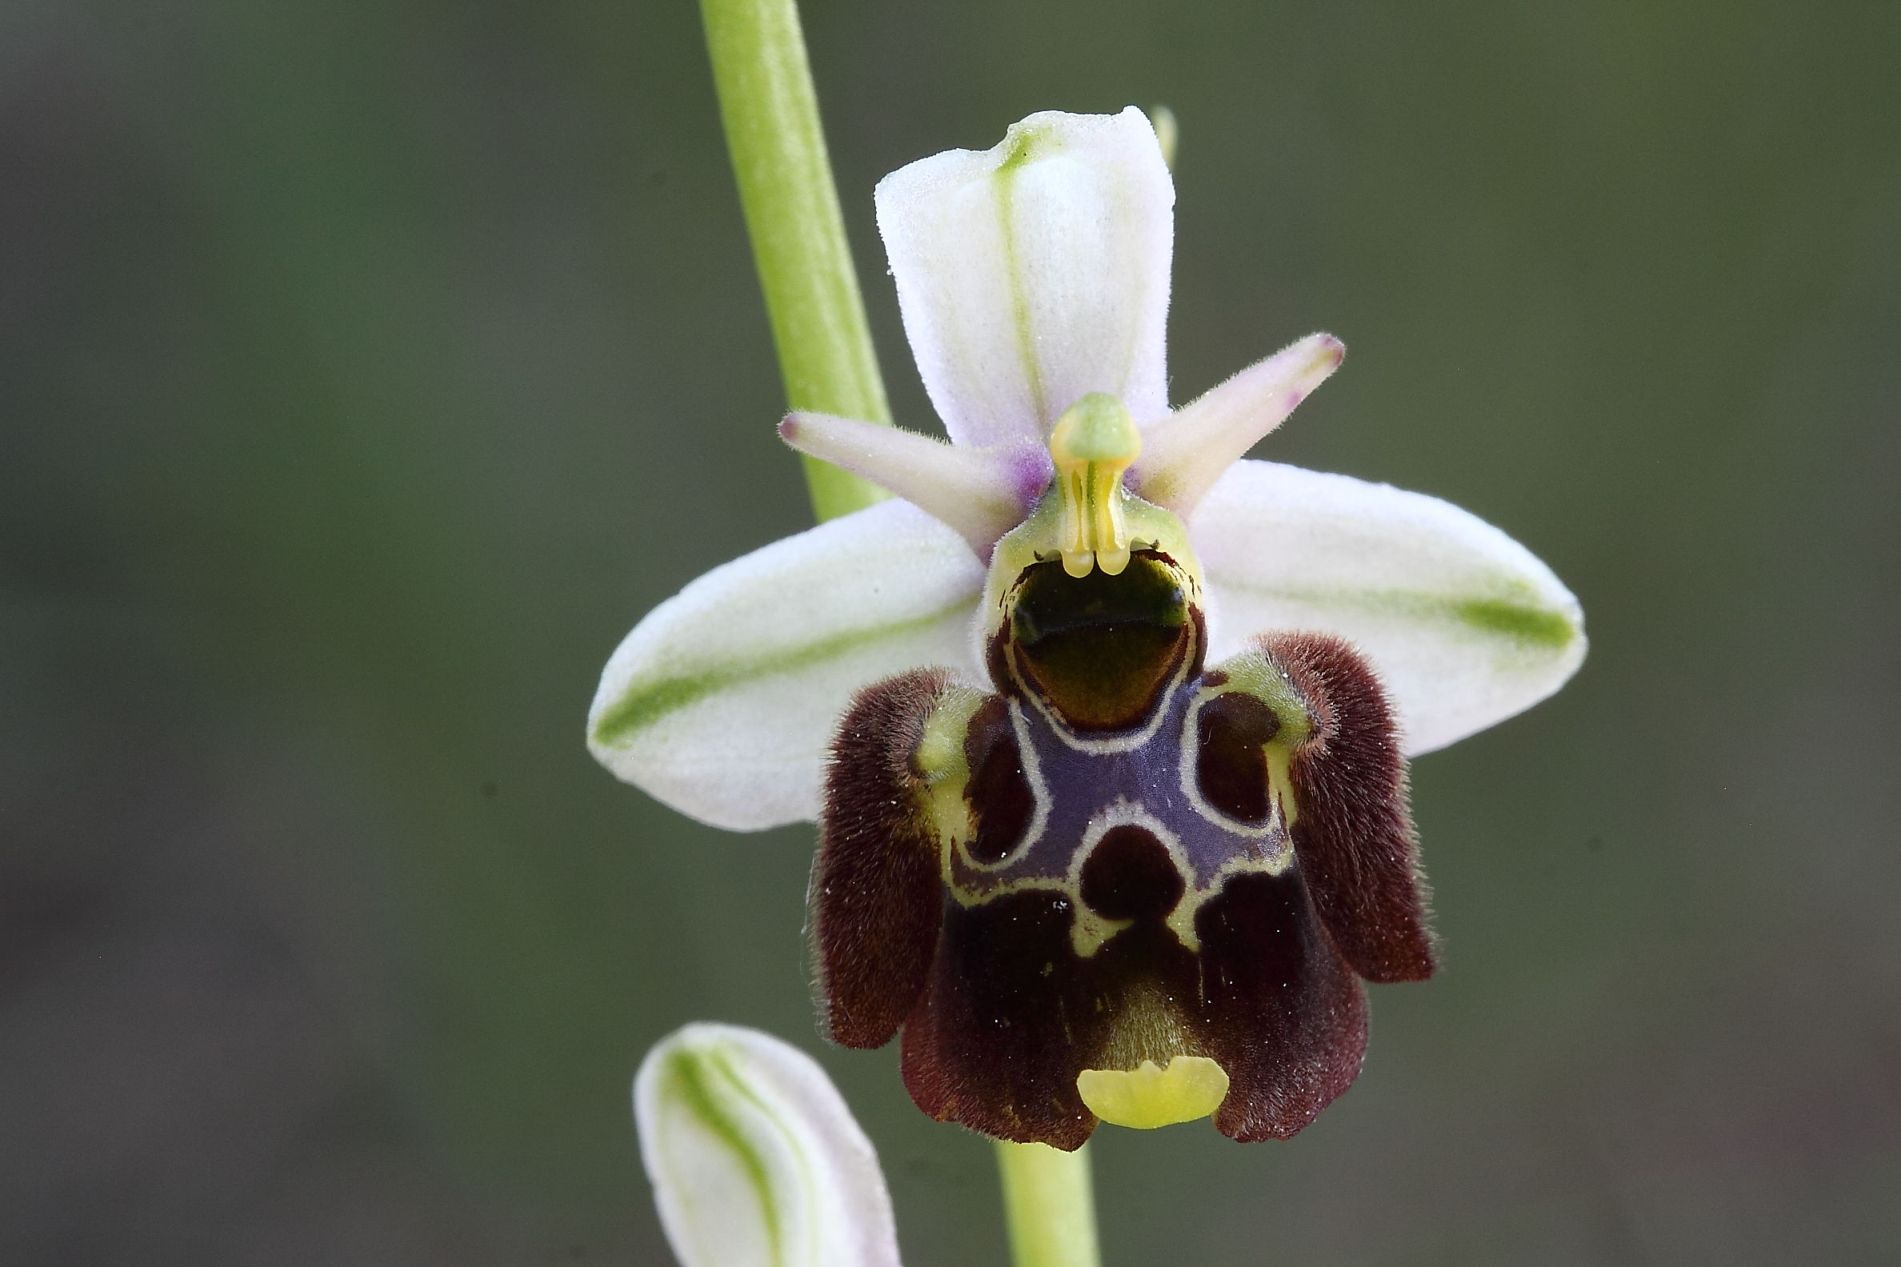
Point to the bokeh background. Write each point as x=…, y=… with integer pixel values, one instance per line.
x=366, y=369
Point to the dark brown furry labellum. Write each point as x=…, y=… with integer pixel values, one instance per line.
x=875, y=893
x=1210, y=878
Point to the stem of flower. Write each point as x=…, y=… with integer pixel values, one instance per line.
x=1049, y=1204
x=770, y=111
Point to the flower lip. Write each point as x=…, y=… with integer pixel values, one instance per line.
x=1128, y=923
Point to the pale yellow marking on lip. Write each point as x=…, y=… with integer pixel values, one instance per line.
x=1150, y=1095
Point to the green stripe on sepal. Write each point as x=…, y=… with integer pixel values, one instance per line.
x=692, y=1076
x=1523, y=622
x=646, y=701
x=754, y=1157
x=723, y=700
x=1464, y=626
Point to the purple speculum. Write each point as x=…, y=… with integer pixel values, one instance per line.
x=1127, y=819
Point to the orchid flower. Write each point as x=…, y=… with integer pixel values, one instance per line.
x=754, y=1158
x=1105, y=726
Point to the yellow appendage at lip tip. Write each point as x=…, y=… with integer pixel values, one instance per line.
x=1092, y=445
x=1149, y=1096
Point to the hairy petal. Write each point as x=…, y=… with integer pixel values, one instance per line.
x=723, y=700
x=1185, y=453
x=982, y=493
x=1464, y=626
x=1035, y=272
x=754, y=1158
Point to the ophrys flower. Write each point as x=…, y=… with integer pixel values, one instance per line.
x=1087, y=874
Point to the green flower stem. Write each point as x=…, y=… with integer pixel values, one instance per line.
x=770, y=111
x=1049, y=1204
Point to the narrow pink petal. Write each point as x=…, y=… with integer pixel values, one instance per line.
x=982, y=493
x=1185, y=453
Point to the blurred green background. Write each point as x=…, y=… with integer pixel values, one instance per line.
x=367, y=369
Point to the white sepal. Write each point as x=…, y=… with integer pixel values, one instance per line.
x=1035, y=272
x=723, y=700
x=754, y=1158
x=1465, y=626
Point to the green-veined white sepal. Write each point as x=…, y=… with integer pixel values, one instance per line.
x=754, y=1158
